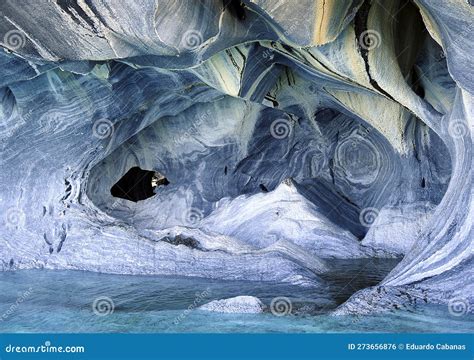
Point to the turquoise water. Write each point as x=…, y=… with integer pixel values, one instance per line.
x=63, y=301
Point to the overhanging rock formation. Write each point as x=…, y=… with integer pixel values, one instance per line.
x=289, y=134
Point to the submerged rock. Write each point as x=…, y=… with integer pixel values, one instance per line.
x=235, y=305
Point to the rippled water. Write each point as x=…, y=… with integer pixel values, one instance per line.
x=62, y=301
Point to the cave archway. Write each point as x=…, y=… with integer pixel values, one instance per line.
x=138, y=184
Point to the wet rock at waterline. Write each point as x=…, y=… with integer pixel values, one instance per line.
x=267, y=150
x=236, y=305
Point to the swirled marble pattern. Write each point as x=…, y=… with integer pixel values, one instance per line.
x=291, y=133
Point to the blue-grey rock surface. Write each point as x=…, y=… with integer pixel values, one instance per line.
x=290, y=134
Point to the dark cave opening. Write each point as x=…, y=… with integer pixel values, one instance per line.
x=236, y=8
x=138, y=184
